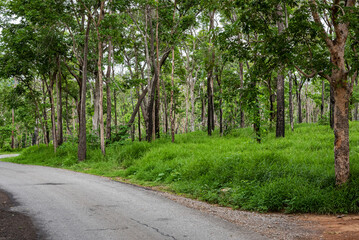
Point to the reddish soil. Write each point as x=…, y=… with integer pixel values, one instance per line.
x=340, y=227
x=14, y=225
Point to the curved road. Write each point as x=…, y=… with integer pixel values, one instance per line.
x=66, y=205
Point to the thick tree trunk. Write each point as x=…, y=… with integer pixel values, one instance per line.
x=81, y=153
x=60, y=138
x=341, y=133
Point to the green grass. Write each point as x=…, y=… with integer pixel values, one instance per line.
x=293, y=174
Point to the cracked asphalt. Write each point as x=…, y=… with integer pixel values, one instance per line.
x=66, y=205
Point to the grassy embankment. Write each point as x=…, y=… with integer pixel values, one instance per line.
x=294, y=174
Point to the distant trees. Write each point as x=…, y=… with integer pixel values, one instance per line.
x=101, y=68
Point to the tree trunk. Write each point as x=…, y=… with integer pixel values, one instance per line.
x=332, y=107
x=219, y=81
x=165, y=106
x=322, y=105
x=13, y=121
x=280, y=127
x=52, y=104
x=210, y=113
x=291, y=102
x=271, y=103
x=100, y=78
x=187, y=109
x=241, y=75
x=81, y=153
x=157, y=103
x=341, y=134
x=108, y=93
x=172, y=118
x=60, y=138
x=96, y=103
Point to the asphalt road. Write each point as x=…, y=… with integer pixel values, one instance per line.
x=67, y=205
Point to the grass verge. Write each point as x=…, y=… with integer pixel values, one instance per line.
x=292, y=174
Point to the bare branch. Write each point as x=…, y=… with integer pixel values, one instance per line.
x=313, y=8
x=311, y=75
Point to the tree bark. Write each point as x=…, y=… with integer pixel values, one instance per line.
x=322, y=104
x=50, y=89
x=291, y=102
x=341, y=133
x=158, y=69
x=280, y=127
x=81, y=153
x=100, y=77
x=210, y=112
x=60, y=138
x=172, y=118
x=241, y=75
x=331, y=107
x=108, y=93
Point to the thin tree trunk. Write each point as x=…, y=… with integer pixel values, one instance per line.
x=108, y=93
x=322, y=105
x=219, y=81
x=241, y=75
x=81, y=153
x=165, y=106
x=13, y=121
x=100, y=78
x=60, y=138
x=187, y=109
x=291, y=102
x=172, y=118
x=50, y=89
x=157, y=103
x=210, y=113
x=280, y=127
x=332, y=107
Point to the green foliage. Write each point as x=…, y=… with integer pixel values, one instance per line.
x=295, y=174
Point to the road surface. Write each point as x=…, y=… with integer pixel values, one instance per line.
x=66, y=205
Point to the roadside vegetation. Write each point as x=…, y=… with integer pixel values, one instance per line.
x=292, y=174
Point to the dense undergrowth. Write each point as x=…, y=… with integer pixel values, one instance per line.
x=293, y=174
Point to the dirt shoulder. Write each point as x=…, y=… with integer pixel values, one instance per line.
x=283, y=226
x=277, y=226
x=14, y=225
